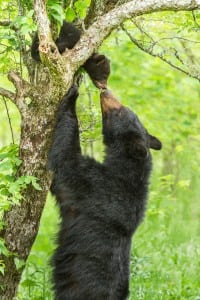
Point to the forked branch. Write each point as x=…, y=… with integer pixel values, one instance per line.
x=8, y=94
x=50, y=54
x=190, y=70
x=22, y=90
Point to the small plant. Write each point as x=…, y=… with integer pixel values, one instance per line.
x=11, y=188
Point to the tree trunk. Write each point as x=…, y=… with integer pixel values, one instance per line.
x=22, y=221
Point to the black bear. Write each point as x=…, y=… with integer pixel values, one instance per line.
x=97, y=66
x=101, y=204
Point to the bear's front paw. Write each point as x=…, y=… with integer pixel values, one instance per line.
x=73, y=92
x=68, y=101
x=71, y=95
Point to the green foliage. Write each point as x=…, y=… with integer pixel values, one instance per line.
x=55, y=11
x=2, y=266
x=25, y=24
x=11, y=187
x=3, y=251
x=172, y=37
x=15, y=37
x=81, y=8
x=78, y=10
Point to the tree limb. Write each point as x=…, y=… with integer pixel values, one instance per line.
x=192, y=73
x=22, y=90
x=64, y=66
x=100, y=7
x=5, y=23
x=8, y=94
x=18, y=82
x=8, y=23
x=42, y=20
x=60, y=70
x=101, y=28
x=9, y=120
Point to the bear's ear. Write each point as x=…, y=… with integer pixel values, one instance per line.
x=136, y=148
x=154, y=143
x=140, y=151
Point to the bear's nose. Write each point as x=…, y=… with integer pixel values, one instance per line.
x=108, y=101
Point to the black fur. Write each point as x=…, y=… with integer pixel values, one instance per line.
x=97, y=66
x=101, y=205
x=68, y=37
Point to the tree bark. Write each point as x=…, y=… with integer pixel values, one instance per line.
x=22, y=221
x=45, y=90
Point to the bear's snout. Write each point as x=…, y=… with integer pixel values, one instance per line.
x=108, y=101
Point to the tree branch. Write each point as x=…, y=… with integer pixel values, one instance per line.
x=100, y=7
x=18, y=82
x=42, y=20
x=191, y=73
x=59, y=69
x=100, y=29
x=63, y=67
x=5, y=23
x=47, y=47
x=8, y=94
x=8, y=23
x=9, y=120
x=22, y=90
x=195, y=19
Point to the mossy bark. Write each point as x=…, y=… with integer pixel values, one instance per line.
x=22, y=221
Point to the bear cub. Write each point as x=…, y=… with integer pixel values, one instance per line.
x=97, y=66
x=101, y=204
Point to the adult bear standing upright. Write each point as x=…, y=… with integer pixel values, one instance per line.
x=101, y=204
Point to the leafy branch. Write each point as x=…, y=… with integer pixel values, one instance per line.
x=170, y=55
x=9, y=119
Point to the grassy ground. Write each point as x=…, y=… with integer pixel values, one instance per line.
x=166, y=253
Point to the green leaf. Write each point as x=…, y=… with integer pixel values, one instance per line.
x=81, y=8
x=56, y=17
x=70, y=14
x=6, y=166
x=29, y=283
x=2, y=267
x=35, y=184
x=3, y=248
x=19, y=263
x=57, y=8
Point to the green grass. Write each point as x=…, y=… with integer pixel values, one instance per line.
x=166, y=253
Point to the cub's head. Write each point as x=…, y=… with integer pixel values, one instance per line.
x=123, y=131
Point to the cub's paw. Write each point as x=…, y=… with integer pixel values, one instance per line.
x=98, y=68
